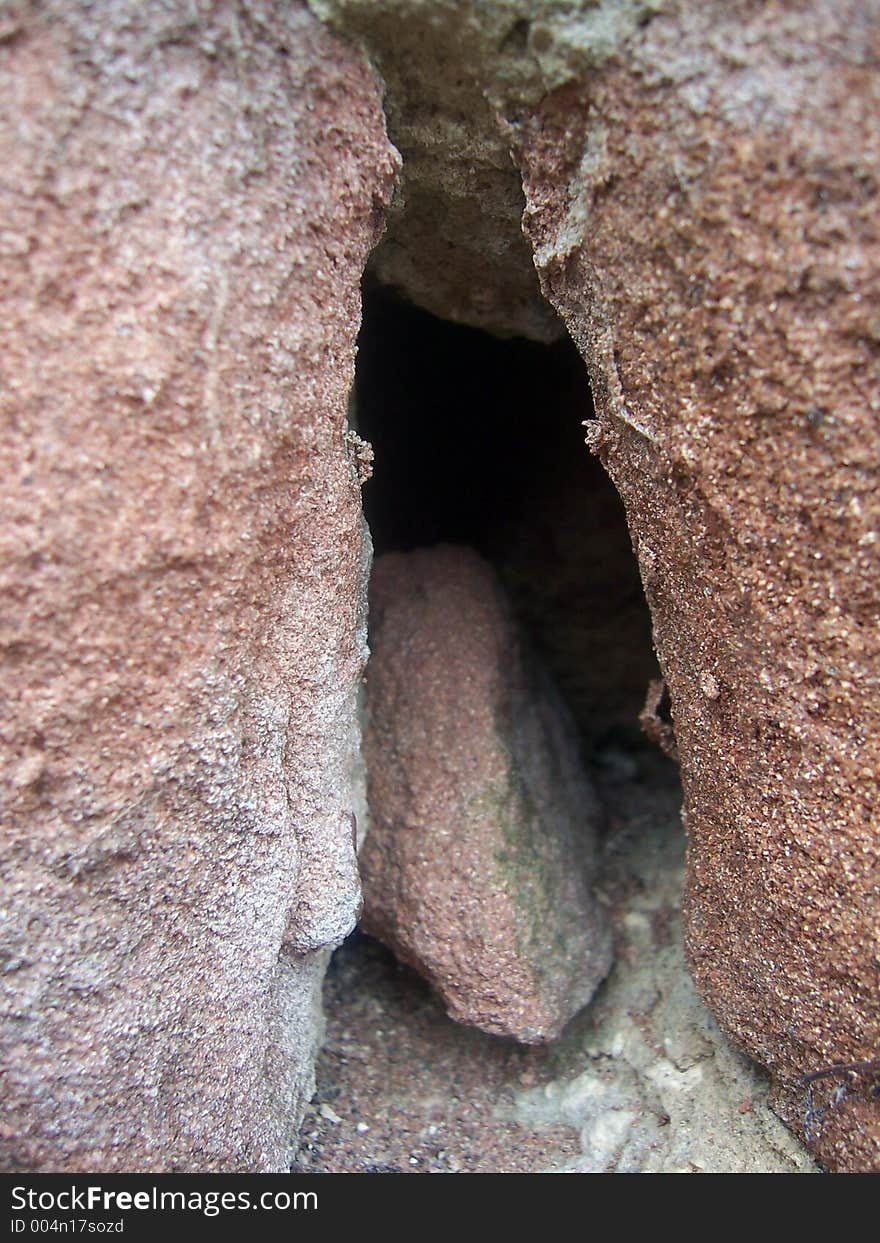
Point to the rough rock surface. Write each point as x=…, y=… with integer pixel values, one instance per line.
x=478, y=865
x=188, y=200
x=704, y=214
x=453, y=69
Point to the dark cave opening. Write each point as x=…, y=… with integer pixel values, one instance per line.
x=479, y=441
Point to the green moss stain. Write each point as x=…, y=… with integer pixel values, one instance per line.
x=525, y=872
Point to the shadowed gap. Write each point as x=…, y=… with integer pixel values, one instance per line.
x=479, y=441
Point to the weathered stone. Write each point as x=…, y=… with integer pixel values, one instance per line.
x=704, y=214
x=478, y=865
x=189, y=198
x=453, y=69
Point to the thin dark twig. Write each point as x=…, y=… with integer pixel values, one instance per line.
x=814, y=1114
x=841, y=1068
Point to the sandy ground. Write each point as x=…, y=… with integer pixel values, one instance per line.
x=640, y=1081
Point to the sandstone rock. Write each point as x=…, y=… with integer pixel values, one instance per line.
x=189, y=199
x=188, y=203
x=455, y=71
x=477, y=869
x=704, y=214
x=454, y=242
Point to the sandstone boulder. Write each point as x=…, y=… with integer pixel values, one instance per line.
x=478, y=866
x=188, y=200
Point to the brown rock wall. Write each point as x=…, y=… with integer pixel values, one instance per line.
x=704, y=214
x=188, y=201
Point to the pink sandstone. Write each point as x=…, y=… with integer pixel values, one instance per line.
x=188, y=205
x=478, y=865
